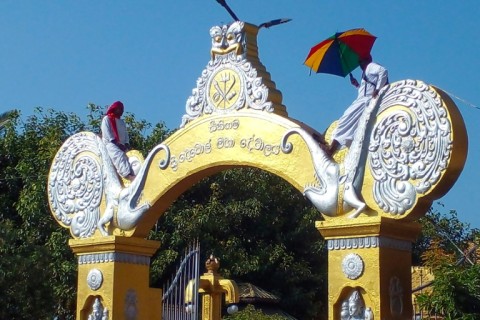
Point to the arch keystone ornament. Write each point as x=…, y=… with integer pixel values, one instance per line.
x=409, y=150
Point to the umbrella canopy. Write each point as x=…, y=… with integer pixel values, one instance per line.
x=340, y=54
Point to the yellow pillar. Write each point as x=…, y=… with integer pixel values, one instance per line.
x=211, y=298
x=371, y=256
x=213, y=286
x=113, y=278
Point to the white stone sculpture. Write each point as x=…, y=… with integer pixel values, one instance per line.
x=406, y=151
x=82, y=174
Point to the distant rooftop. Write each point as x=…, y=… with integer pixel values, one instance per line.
x=261, y=299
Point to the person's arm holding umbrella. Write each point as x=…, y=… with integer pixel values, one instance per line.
x=354, y=81
x=339, y=55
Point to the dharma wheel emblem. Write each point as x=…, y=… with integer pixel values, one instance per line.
x=94, y=279
x=352, y=266
x=225, y=88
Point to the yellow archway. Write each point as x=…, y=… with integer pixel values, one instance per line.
x=211, y=144
x=409, y=150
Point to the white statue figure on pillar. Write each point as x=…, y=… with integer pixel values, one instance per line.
x=368, y=314
x=98, y=311
x=354, y=308
x=344, y=312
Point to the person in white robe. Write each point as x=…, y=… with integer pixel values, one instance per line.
x=374, y=77
x=115, y=137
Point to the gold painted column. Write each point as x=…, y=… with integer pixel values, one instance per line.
x=213, y=286
x=369, y=267
x=113, y=278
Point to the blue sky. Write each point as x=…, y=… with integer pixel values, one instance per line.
x=64, y=54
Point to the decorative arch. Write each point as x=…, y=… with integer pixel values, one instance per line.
x=409, y=149
x=212, y=144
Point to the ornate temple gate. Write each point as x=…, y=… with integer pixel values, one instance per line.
x=179, y=303
x=408, y=150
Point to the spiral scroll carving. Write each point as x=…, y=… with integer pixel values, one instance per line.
x=409, y=148
x=75, y=184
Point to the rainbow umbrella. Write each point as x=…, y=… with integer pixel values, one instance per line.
x=341, y=53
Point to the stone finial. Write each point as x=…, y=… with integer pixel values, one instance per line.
x=212, y=264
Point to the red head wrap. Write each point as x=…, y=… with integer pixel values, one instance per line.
x=112, y=115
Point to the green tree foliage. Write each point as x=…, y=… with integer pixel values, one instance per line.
x=445, y=229
x=261, y=228
x=455, y=292
x=37, y=268
x=33, y=280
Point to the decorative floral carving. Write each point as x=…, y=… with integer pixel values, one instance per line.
x=409, y=148
x=352, y=266
x=75, y=185
x=82, y=174
x=94, y=279
x=229, y=82
x=404, y=136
